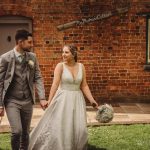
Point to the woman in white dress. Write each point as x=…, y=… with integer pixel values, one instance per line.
x=63, y=125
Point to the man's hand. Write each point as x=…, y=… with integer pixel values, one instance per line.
x=44, y=104
x=1, y=112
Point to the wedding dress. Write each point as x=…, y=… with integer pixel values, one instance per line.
x=63, y=125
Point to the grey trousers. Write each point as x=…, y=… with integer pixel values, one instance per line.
x=19, y=115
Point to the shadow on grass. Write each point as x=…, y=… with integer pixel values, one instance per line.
x=92, y=147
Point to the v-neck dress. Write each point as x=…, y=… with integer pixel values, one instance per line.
x=63, y=125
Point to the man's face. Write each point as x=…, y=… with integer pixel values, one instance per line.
x=26, y=45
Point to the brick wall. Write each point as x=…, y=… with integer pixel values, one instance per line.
x=113, y=50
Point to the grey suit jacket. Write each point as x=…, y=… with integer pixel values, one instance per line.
x=7, y=66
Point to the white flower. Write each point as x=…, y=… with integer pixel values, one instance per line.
x=105, y=113
x=31, y=64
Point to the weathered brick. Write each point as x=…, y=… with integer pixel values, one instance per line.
x=113, y=50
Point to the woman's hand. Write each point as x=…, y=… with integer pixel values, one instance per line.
x=94, y=104
x=49, y=102
x=44, y=104
x=1, y=112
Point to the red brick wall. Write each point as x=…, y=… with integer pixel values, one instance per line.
x=113, y=50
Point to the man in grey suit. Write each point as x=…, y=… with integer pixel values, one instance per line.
x=19, y=72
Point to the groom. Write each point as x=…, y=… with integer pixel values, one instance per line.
x=19, y=71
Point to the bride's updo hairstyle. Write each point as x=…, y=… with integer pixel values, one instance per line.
x=73, y=49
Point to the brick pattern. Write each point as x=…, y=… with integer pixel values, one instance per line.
x=113, y=50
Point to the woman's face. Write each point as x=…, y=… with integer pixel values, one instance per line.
x=66, y=54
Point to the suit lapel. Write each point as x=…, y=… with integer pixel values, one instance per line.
x=28, y=69
x=12, y=57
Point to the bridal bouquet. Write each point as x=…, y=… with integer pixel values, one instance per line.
x=105, y=113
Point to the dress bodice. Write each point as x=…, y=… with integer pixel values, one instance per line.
x=68, y=82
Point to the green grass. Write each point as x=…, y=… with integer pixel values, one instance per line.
x=114, y=137
x=120, y=137
x=5, y=141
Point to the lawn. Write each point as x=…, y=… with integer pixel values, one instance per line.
x=114, y=137
x=120, y=137
x=5, y=141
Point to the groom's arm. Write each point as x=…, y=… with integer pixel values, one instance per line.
x=39, y=81
x=40, y=85
x=3, y=68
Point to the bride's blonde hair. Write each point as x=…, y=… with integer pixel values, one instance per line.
x=73, y=49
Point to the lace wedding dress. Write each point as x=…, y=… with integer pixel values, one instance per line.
x=63, y=125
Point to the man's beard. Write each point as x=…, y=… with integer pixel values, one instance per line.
x=27, y=50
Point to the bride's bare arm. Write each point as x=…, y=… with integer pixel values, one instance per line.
x=56, y=81
x=85, y=89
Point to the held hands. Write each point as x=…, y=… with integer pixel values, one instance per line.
x=1, y=112
x=44, y=104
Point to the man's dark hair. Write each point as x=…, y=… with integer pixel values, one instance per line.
x=22, y=34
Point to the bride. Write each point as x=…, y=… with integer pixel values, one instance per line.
x=63, y=125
